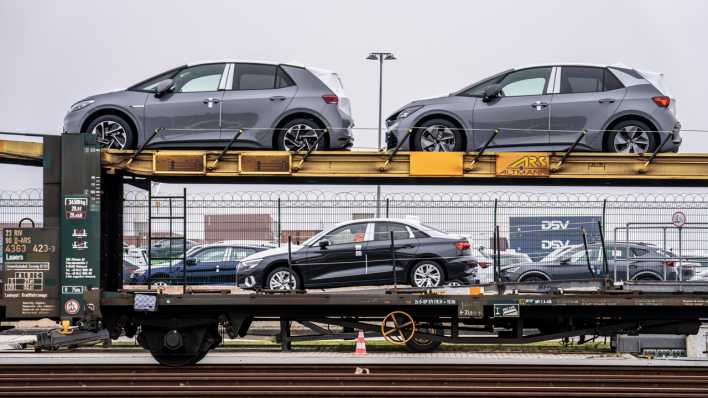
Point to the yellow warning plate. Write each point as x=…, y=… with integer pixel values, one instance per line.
x=176, y=162
x=523, y=164
x=438, y=164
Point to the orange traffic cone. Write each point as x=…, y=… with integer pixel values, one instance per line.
x=360, y=344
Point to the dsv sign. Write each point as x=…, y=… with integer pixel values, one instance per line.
x=555, y=225
x=554, y=244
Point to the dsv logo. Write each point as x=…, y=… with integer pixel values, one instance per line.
x=554, y=244
x=554, y=225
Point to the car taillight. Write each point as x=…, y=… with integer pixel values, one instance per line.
x=662, y=100
x=330, y=99
x=484, y=264
x=463, y=245
x=669, y=263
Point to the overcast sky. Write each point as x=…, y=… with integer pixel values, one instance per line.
x=57, y=52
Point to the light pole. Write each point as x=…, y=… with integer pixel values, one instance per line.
x=381, y=57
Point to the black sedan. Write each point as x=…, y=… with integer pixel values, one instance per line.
x=358, y=253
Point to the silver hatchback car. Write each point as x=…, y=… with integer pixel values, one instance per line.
x=269, y=105
x=545, y=108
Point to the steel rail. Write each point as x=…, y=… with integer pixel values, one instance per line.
x=353, y=380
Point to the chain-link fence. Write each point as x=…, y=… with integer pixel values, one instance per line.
x=541, y=236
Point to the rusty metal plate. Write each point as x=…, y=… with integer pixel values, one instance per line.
x=523, y=164
x=179, y=163
x=265, y=163
x=437, y=164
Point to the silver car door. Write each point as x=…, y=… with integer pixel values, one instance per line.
x=191, y=110
x=521, y=112
x=585, y=98
x=253, y=102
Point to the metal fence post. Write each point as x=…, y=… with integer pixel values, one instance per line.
x=387, y=206
x=587, y=255
x=280, y=226
x=149, y=237
x=393, y=262
x=605, y=264
x=290, y=265
x=184, y=240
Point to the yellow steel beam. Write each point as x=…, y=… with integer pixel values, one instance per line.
x=21, y=152
x=534, y=167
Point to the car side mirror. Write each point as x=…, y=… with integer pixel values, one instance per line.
x=565, y=261
x=324, y=243
x=491, y=92
x=163, y=87
x=191, y=261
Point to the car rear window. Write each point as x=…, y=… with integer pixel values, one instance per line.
x=579, y=79
x=255, y=77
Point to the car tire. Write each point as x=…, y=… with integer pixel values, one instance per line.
x=438, y=135
x=427, y=273
x=113, y=132
x=533, y=278
x=630, y=136
x=277, y=280
x=647, y=278
x=301, y=135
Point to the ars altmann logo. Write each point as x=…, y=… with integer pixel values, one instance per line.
x=522, y=164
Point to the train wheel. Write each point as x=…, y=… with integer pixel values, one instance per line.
x=425, y=344
x=178, y=348
x=398, y=327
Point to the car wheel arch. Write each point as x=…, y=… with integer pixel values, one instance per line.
x=439, y=114
x=110, y=111
x=425, y=257
x=300, y=114
x=626, y=117
x=643, y=274
x=534, y=273
x=276, y=264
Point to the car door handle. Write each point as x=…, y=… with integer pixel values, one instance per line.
x=538, y=105
x=212, y=100
x=606, y=100
x=277, y=98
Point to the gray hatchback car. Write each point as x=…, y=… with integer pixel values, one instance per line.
x=545, y=108
x=270, y=105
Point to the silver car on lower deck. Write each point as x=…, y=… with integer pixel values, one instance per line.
x=545, y=108
x=270, y=105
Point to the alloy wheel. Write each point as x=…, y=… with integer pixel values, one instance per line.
x=437, y=138
x=300, y=137
x=110, y=134
x=631, y=139
x=282, y=280
x=427, y=275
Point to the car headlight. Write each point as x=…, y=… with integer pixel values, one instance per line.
x=249, y=264
x=81, y=105
x=408, y=111
x=511, y=269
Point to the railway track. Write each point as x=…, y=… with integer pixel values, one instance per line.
x=352, y=381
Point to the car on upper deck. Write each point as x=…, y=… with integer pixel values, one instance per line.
x=268, y=105
x=545, y=108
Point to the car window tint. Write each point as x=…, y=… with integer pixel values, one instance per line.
x=152, y=83
x=637, y=252
x=282, y=79
x=199, y=78
x=210, y=254
x=581, y=257
x=351, y=233
x=255, y=77
x=238, y=253
x=617, y=252
x=525, y=82
x=418, y=233
x=579, y=79
x=382, y=231
x=611, y=81
x=478, y=89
